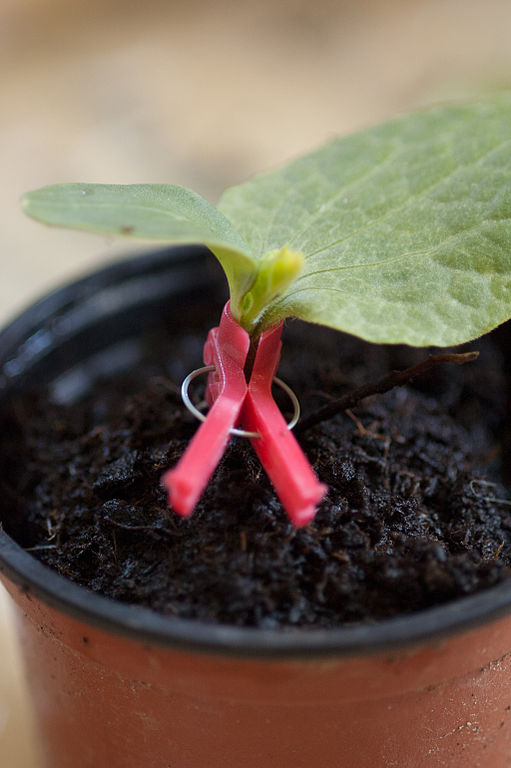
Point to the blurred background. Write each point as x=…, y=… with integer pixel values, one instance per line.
x=200, y=94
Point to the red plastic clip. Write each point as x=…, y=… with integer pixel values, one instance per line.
x=251, y=406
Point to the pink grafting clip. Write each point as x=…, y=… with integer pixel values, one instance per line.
x=282, y=458
x=226, y=348
x=232, y=401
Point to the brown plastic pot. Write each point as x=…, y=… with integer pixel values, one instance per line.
x=116, y=686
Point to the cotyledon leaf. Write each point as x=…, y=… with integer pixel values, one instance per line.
x=166, y=213
x=405, y=227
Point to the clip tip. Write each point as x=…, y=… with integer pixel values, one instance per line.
x=307, y=512
x=180, y=493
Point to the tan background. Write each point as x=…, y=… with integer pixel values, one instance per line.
x=201, y=94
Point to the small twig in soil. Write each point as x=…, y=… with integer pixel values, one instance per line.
x=499, y=550
x=52, y=532
x=135, y=528
x=362, y=430
x=114, y=540
x=394, y=379
x=494, y=499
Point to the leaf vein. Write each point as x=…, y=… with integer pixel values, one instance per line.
x=342, y=193
x=409, y=202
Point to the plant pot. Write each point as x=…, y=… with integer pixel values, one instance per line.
x=121, y=686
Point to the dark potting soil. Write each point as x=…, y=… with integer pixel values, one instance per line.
x=417, y=511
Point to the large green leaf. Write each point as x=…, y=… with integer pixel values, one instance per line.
x=401, y=233
x=405, y=227
x=160, y=212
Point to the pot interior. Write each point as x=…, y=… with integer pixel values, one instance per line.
x=93, y=328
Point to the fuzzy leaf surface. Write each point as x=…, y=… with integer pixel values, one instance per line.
x=405, y=227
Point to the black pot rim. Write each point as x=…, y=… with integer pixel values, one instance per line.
x=146, y=626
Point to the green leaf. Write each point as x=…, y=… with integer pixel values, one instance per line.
x=399, y=234
x=152, y=212
x=405, y=227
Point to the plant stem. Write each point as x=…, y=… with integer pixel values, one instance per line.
x=394, y=379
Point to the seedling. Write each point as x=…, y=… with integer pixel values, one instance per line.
x=399, y=234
